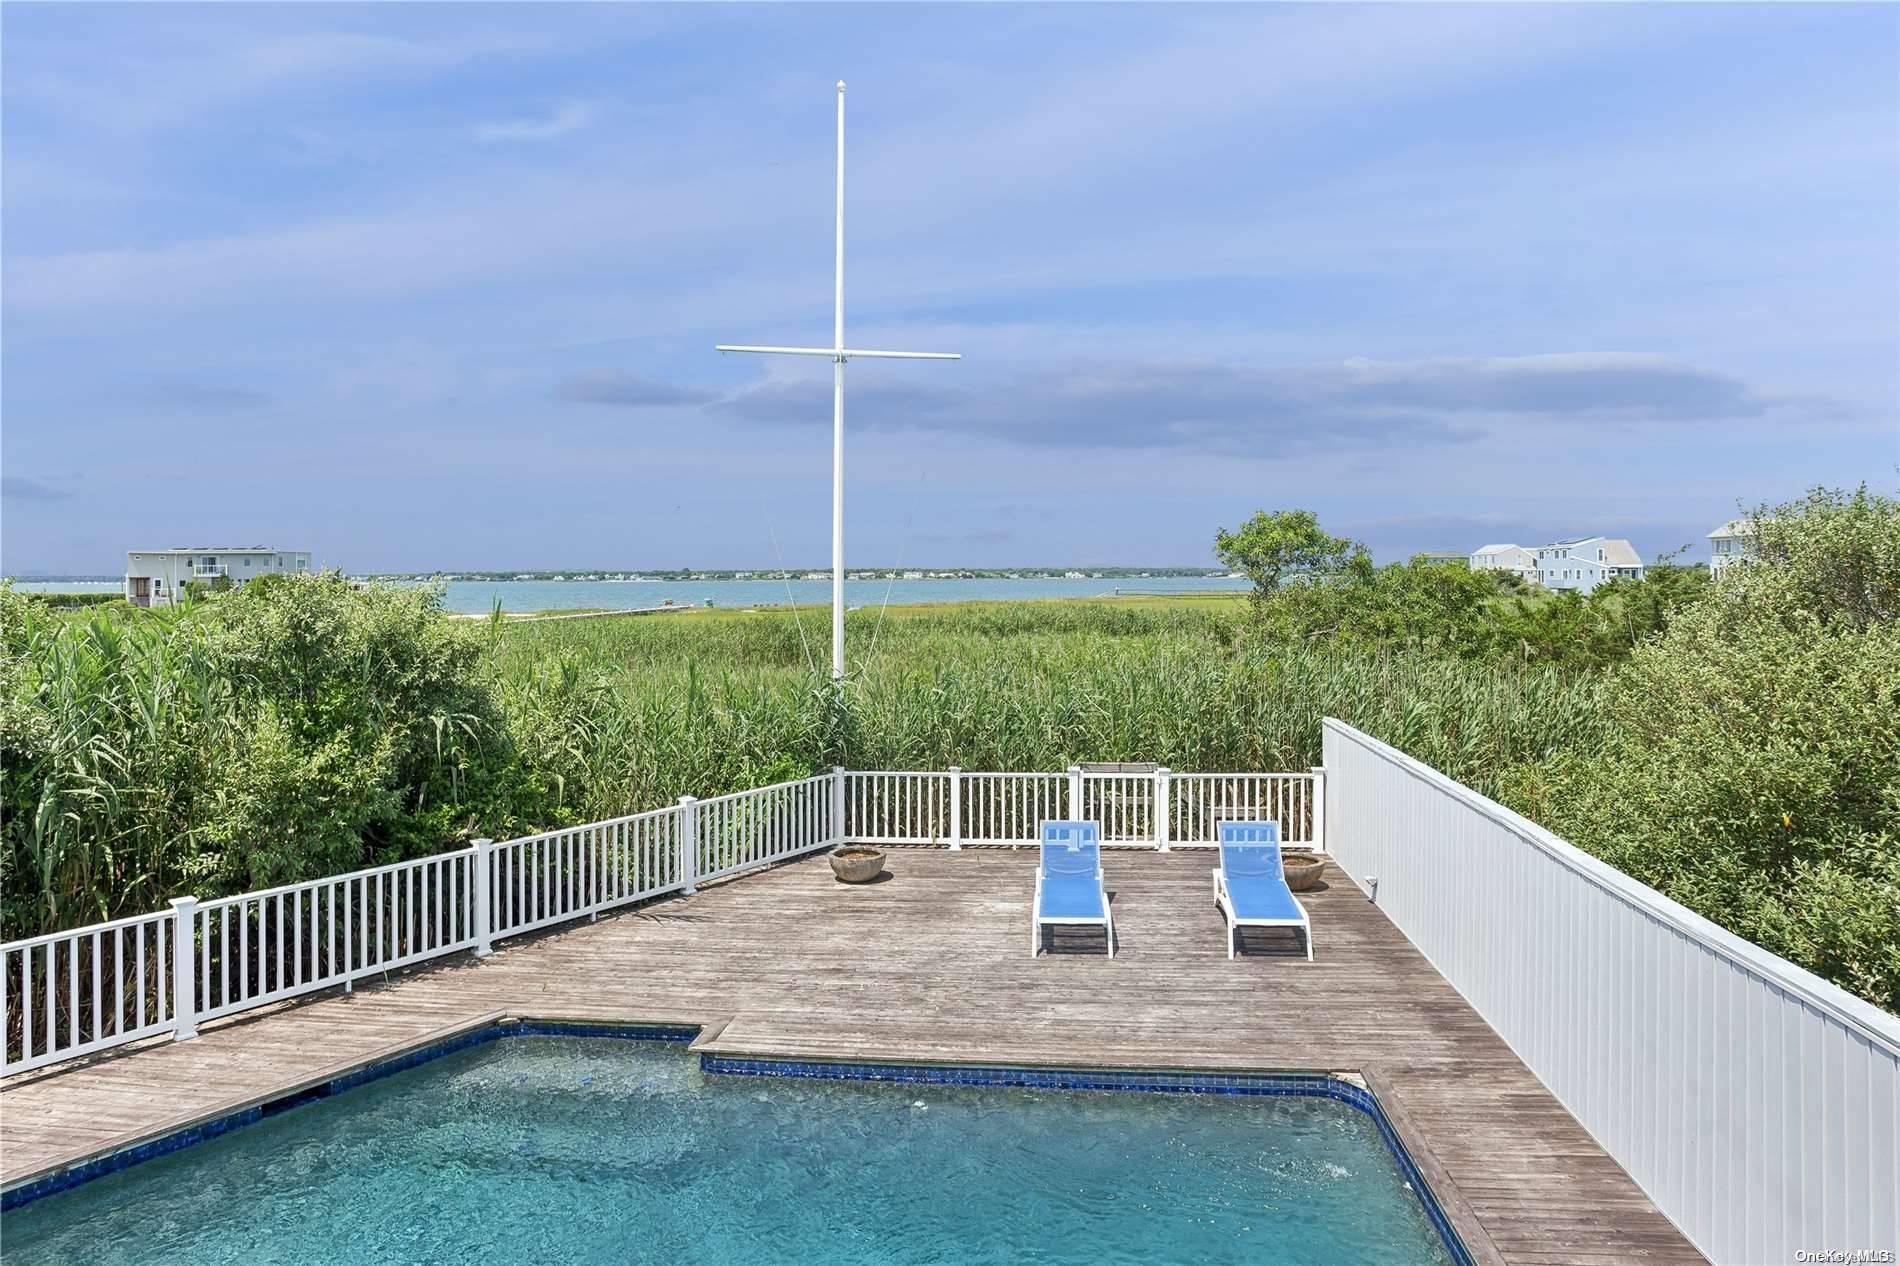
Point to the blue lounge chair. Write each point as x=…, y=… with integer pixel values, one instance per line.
x=1250, y=887
x=1069, y=882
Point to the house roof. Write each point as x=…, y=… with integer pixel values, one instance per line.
x=1620, y=553
x=1735, y=527
x=220, y=549
x=1497, y=549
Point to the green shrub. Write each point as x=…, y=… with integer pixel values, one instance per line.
x=1733, y=745
x=291, y=729
x=1751, y=765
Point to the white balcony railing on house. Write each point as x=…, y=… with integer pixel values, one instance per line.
x=209, y=571
x=1757, y=1104
x=72, y=993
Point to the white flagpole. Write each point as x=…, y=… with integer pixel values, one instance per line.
x=839, y=354
x=837, y=424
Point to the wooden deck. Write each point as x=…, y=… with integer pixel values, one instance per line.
x=933, y=964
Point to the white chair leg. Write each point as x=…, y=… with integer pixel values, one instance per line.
x=1309, y=942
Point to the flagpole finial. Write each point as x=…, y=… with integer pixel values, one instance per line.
x=841, y=85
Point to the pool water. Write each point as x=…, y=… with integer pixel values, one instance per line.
x=566, y=1149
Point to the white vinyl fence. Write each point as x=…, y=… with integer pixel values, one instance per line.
x=72, y=993
x=1755, y=1103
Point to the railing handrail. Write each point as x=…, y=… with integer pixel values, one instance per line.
x=623, y=820
x=213, y=903
x=1830, y=999
x=90, y=929
x=753, y=791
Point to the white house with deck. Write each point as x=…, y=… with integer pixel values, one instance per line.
x=1512, y=558
x=1583, y=564
x=157, y=578
x=1729, y=544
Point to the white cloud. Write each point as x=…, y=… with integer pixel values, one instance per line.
x=179, y=72
x=571, y=117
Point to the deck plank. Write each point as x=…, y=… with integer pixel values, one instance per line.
x=933, y=964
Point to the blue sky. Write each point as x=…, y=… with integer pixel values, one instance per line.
x=436, y=287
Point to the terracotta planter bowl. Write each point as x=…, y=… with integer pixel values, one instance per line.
x=856, y=865
x=1302, y=870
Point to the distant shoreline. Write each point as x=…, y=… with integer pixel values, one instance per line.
x=608, y=575
x=518, y=597
x=1198, y=596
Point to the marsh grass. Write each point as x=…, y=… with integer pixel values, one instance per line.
x=635, y=710
x=277, y=735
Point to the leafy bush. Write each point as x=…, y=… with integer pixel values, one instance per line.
x=1733, y=745
x=1751, y=767
x=287, y=730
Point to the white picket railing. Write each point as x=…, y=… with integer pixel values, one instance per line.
x=1158, y=809
x=122, y=970
x=540, y=880
x=72, y=993
x=1201, y=802
x=749, y=829
x=262, y=947
x=69, y=994
x=1005, y=808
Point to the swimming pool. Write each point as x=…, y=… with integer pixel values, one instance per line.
x=567, y=1149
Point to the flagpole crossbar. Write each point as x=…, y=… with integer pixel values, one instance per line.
x=848, y=353
x=839, y=354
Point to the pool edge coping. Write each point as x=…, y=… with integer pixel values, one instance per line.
x=1460, y=1230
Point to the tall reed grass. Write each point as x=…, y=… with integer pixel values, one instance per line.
x=280, y=735
x=631, y=712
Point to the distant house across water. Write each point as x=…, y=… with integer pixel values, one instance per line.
x=1729, y=544
x=1579, y=565
x=157, y=578
x=1583, y=564
x=1512, y=558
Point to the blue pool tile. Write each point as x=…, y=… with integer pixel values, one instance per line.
x=1252, y=1084
x=66, y=1179
x=1142, y=1081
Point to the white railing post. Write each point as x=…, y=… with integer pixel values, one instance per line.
x=837, y=804
x=956, y=807
x=1075, y=793
x=481, y=883
x=1319, y=808
x=1161, y=808
x=689, y=844
x=184, y=959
